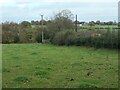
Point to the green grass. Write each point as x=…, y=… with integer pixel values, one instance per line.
x=100, y=26
x=48, y=66
x=0, y=66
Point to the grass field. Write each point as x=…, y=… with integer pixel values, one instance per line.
x=48, y=66
x=100, y=26
x=1, y=66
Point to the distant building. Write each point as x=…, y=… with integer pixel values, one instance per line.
x=80, y=24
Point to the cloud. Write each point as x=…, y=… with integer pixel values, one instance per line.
x=19, y=10
x=49, y=1
x=22, y=5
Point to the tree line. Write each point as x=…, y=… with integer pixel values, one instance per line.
x=60, y=30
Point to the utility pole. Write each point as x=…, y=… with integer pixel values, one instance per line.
x=42, y=28
x=76, y=24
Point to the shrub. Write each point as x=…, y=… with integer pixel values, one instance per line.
x=70, y=40
x=38, y=37
x=64, y=38
x=27, y=35
x=59, y=38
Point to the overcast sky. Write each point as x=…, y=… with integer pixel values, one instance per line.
x=87, y=10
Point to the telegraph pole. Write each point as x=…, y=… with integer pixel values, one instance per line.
x=76, y=24
x=42, y=28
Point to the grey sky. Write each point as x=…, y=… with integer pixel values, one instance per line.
x=119, y=12
x=87, y=10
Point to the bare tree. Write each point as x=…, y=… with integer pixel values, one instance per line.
x=62, y=21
